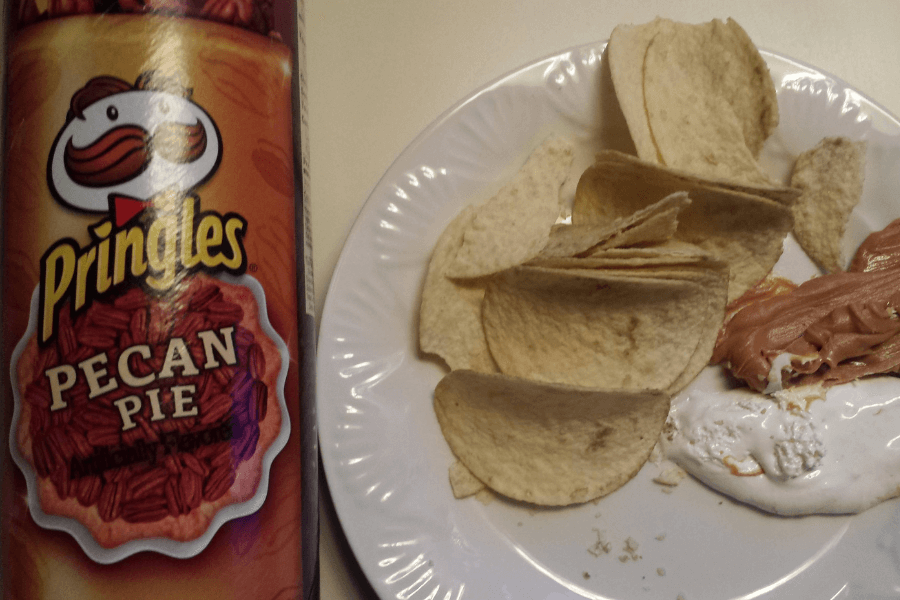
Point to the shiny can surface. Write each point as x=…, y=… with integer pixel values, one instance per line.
x=157, y=303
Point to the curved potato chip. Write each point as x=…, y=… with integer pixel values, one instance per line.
x=670, y=251
x=546, y=444
x=654, y=224
x=745, y=231
x=637, y=264
x=675, y=249
x=830, y=176
x=572, y=240
x=686, y=181
x=710, y=100
x=714, y=279
x=514, y=225
x=711, y=275
x=654, y=229
x=592, y=329
x=749, y=89
x=450, y=311
x=626, y=50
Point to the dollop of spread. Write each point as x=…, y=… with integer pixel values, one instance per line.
x=831, y=329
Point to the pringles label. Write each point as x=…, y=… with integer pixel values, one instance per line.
x=151, y=310
x=123, y=150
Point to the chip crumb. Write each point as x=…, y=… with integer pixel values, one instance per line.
x=630, y=548
x=660, y=537
x=463, y=482
x=586, y=575
x=671, y=476
x=601, y=546
x=661, y=572
x=680, y=597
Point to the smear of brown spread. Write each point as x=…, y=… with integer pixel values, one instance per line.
x=839, y=327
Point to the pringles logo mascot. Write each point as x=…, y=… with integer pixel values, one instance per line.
x=124, y=144
x=136, y=154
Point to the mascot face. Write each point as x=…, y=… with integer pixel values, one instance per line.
x=124, y=144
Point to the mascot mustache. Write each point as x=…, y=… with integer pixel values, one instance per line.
x=124, y=152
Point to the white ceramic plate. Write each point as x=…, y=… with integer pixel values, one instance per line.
x=386, y=461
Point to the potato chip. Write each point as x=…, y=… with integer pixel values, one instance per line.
x=638, y=265
x=674, y=251
x=688, y=181
x=654, y=224
x=714, y=279
x=710, y=274
x=745, y=231
x=668, y=253
x=695, y=97
x=450, y=311
x=462, y=482
x=514, y=225
x=656, y=228
x=678, y=272
x=732, y=68
x=592, y=329
x=547, y=444
x=830, y=176
x=710, y=100
x=626, y=50
x=572, y=240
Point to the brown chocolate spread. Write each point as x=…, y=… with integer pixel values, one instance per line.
x=834, y=328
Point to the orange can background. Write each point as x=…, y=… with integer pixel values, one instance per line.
x=246, y=82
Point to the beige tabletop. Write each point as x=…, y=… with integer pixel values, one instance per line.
x=380, y=72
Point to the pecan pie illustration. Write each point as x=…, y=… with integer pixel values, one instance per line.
x=148, y=415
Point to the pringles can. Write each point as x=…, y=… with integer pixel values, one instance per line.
x=157, y=303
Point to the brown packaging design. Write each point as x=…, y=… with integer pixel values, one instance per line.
x=156, y=303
